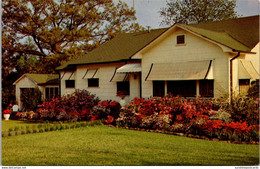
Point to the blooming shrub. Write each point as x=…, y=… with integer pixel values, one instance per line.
x=194, y=116
x=30, y=115
x=76, y=106
x=106, y=110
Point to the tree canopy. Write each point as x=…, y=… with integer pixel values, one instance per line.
x=58, y=30
x=38, y=36
x=196, y=11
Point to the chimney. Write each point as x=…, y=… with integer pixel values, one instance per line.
x=148, y=29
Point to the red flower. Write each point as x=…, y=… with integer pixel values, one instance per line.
x=109, y=119
x=7, y=111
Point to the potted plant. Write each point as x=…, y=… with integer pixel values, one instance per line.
x=7, y=114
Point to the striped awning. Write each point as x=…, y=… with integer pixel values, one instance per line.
x=130, y=68
x=191, y=70
x=68, y=75
x=91, y=73
x=246, y=70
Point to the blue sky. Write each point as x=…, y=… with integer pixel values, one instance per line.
x=147, y=10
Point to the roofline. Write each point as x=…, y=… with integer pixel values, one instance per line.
x=166, y=29
x=123, y=60
x=23, y=77
x=241, y=51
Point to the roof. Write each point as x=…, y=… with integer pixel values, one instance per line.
x=241, y=34
x=121, y=48
x=238, y=34
x=41, y=79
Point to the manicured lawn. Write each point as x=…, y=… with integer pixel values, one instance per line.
x=102, y=145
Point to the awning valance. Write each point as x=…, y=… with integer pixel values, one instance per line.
x=191, y=70
x=130, y=68
x=91, y=73
x=68, y=76
x=246, y=70
x=119, y=77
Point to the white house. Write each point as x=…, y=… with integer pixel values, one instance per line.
x=48, y=84
x=207, y=59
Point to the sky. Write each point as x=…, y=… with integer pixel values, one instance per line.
x=147, y=10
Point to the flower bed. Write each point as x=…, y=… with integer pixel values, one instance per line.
x=197, y=117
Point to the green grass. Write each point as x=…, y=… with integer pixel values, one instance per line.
x=7, y=124
x=102, y=145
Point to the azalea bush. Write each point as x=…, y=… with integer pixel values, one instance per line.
x=30, y=115
x=107, y=111
x=198, y=116
x=76, y=106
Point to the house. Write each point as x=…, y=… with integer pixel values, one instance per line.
x=207, y=59
x=48, y=84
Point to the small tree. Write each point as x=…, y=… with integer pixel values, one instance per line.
x=31, y=98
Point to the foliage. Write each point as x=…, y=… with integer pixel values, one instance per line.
x=106, y=110
x=31, y=98
x=241, y=108
x=58, y=31
x=76, y=106
x=194, y=11
x=253, y=91
x=30, y=115
x=37, y=37
x=194, y=116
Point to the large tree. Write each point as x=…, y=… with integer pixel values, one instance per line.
x=196, y=11
x=38, y=36
x=58, y=30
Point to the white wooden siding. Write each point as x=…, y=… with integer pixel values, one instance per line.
x=195, y=48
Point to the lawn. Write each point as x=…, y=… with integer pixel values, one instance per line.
x=102, y=145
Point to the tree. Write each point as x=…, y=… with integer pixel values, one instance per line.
x=196, y=11
x=38, y=36
x=59, y=30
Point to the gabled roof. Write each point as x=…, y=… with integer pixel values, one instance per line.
x=241, y=34
x=238, y=34
x=41, y=79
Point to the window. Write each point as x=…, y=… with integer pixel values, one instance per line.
x=180, y=39
x=123, y=86
x=51, y=92
x=93, y=82
x=185, y=88
x=206, y=88
x=70, y=83
x=158, y=88
x=244, y=85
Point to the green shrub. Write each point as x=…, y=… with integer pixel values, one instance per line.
x=31, y=98
x=41, y=130
x=253, y=91
x=23, y=132
x=28, y=131
x=52, y=128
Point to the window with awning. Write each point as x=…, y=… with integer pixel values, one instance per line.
x=122, y=73
x=130, y=68
x=246, y=70
x=90, y=74
x=68, y=75
x=191, y=70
